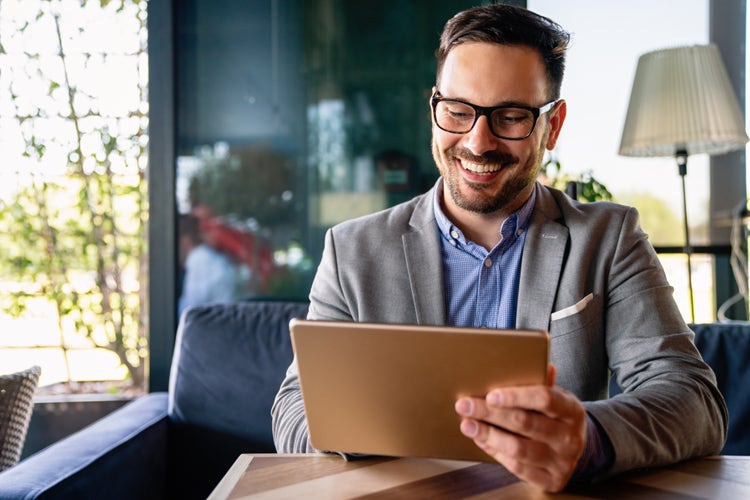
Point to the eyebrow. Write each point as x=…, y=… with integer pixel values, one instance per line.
x=502, y=104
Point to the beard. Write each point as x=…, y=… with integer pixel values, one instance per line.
x=479, y=198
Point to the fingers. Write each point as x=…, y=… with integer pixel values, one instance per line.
x=548, y=414
x=538, y=433
x=553, y=402
x=532, y=461
x=531, y=424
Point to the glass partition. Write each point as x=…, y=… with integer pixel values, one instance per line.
x=292, y=116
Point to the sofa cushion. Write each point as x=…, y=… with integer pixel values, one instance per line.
x=726, y=348
x=228, y=364
x=16, y=405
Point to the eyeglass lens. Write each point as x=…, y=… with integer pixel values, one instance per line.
x=458, y=117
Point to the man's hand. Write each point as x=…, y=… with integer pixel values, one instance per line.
x=538, y=432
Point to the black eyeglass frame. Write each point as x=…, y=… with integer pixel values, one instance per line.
x=487, y=111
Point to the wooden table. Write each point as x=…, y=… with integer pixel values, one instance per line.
x=329, y=476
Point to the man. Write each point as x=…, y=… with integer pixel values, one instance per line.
x=489, y=246
x=209, y=275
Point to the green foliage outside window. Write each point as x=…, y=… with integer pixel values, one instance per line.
x=587, y=187
x=73, y=210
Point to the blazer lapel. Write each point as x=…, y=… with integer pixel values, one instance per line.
x=424, y=264
x=541, y=265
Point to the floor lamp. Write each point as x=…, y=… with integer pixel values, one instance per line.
x=682, y=103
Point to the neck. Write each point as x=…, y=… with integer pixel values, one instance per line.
x=482, y=229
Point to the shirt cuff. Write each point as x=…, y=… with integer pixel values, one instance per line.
x=597, y=456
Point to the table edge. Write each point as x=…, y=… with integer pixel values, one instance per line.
x=232, y=477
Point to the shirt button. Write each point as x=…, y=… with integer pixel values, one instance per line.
x=453, y=242
x=454, y=234
x=488, y=263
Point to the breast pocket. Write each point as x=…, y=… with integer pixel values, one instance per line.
x=576, y=317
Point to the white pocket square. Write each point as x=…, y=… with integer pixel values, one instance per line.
x=571, y=310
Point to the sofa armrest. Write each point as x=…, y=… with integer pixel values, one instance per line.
x=122, y=455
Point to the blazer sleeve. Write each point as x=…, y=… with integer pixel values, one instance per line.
x=288, y=419
x=670, y=408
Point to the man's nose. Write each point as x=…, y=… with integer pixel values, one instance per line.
x=480, y=138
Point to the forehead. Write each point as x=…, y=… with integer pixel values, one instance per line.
x=489, y=74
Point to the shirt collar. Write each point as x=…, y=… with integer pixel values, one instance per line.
x=517, y=222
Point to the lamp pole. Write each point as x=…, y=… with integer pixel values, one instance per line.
x=681, y=157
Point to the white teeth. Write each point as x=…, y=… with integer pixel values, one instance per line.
x=480, y=168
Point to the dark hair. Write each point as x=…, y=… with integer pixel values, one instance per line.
x=189, y=226
x=509, y=25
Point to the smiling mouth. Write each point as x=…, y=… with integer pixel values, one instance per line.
x=480, y=168
x=488, y=163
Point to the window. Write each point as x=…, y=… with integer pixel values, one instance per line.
x=601, y=66
x=73, y=205
x=289, y=121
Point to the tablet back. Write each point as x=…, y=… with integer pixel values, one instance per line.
x=390, y=389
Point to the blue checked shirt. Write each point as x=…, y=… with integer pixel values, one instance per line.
x=481, y=290
x=481, y=287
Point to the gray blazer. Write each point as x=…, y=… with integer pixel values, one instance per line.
x=589, y=276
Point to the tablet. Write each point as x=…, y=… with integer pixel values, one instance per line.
x=385, y=389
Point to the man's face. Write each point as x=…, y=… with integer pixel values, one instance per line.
x=483, y=173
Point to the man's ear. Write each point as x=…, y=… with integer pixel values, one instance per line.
x=429, y=104
x=556, y=120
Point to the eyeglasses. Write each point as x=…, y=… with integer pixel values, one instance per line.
x=513, y=122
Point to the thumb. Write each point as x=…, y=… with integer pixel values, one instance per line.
x=551, y=373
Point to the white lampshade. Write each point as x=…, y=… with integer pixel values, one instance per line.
x=682, y=100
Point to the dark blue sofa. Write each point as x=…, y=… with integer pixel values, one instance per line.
x=229, y=361
x=726, y=348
